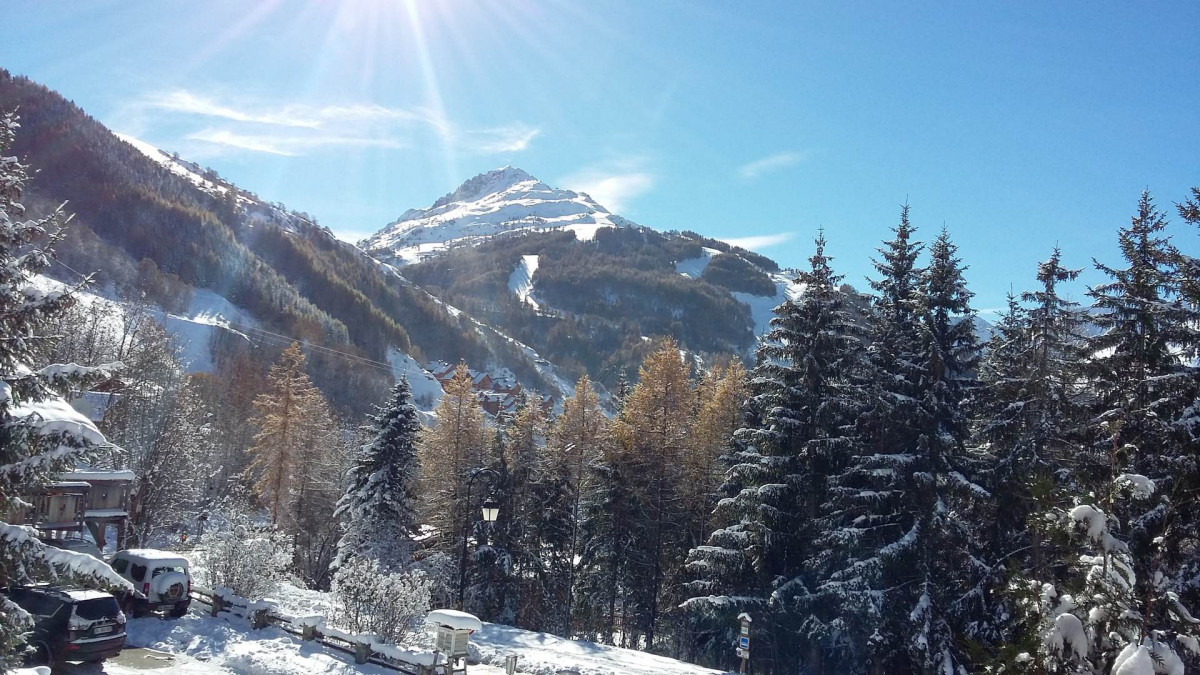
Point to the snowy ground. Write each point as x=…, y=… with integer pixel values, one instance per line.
x=194, y=330
x=198, y=643
x=548, y=654
x=226, y=645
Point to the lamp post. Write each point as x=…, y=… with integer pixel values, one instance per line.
x=490, y=510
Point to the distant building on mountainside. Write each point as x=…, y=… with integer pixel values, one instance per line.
x=497, y=392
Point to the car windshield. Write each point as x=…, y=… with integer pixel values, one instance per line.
x=98, y=608
x=176, y=568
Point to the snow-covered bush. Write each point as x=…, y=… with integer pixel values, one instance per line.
x=367, y=599
x=442, y=573
x=248, y=559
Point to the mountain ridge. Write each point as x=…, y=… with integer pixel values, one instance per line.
x=503, y=200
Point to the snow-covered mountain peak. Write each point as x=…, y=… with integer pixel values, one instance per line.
x=502, y=200
x=491, y=182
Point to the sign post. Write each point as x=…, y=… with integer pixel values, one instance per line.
x=743, y=642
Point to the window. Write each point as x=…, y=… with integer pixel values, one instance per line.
x=100, y=608
x=138, y=572
x=175, y=568
x=120, y=565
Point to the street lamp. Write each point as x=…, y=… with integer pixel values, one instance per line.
x=491, y=510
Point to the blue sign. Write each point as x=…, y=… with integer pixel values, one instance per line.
x=744, y=642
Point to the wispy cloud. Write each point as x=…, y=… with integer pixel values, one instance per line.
x=613, y=185
x=295, y=128
x=758, y=167
x=511, y=138
x=759, y=241
x=284, y=145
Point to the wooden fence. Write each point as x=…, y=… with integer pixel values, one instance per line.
x=364, y=648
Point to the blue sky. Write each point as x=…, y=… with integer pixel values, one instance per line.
x=1016, y=125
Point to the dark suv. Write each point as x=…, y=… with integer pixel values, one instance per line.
x=71, y=624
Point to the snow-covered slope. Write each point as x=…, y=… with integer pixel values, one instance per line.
x=762, y=307
x=520, y=281
x=194, y=330
x=693, y=268
x=503, y=200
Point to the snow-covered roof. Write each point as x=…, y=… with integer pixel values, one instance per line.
x=57, y=416
x=451, y=618
x=79, y=595
x=99, y=474
x=105, y=513
x=152, y=554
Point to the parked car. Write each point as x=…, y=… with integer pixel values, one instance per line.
x=71, y=624
x=161, y=577
x=76, y=545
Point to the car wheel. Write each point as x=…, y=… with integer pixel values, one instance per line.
x=94, y=661
x=134, y=608
x=179, y=610
x=41, y=656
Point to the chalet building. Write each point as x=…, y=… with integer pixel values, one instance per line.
x=88, y=499
x=85, y=500
x=497, y=393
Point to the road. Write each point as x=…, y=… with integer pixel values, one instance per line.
x=140, y=660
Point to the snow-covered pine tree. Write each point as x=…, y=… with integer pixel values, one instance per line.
x=947, y=574
x=379, y=506
x=538, y=521
x=1095, y=615
x=871, y=519
x=1030, y=416
x=40, y=435
x=806, y=396
x=493, y=586
x=608, y=532
x=1142, y=381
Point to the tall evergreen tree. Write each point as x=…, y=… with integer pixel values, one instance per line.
x=871, y=519
x=806, y=396
x=379, y=505
x=1030, y=416
x=1144, y=390
x=610, y=530
x=40, y=435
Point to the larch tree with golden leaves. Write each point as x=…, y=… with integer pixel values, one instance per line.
x=286, y=413
x=449, y=451
x=654, y=431
x=719, y=414
x=579, y=437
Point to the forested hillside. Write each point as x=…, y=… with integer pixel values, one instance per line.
x=599, y=299
x=148, y=231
